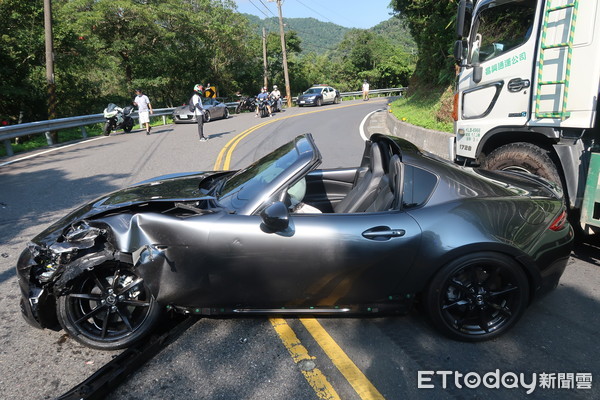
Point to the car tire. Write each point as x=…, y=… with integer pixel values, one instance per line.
x=226, y=113
x=319, y=102
x=119, y=311
x=477, y=297
x=207, y=116
x=336, y=100
x=523, y=157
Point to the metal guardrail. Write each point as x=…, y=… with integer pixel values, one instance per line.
x=31, y=128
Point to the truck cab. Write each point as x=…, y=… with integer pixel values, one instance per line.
x=526, y=95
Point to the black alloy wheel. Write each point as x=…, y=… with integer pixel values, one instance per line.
x=478, y=297
x=108, y=308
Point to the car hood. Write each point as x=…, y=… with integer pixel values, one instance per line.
x=169, y=188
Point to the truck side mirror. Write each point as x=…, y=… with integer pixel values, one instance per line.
x=460, y=19
x=460, y=51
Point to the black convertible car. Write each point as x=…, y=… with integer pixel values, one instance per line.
x=282, y=237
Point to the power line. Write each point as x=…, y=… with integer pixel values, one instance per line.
x=316, y=12
x=258, y=8
x=268, y=9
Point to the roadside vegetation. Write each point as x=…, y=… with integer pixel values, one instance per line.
x=427, y=108
x=106, y=48
x=429, y=101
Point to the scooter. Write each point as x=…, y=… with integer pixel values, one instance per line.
x=275, y=104
x=262, y=107
x=117, y=118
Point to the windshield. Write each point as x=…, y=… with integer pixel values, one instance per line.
x=313, y=91
x=260, y=178
x=499, y=29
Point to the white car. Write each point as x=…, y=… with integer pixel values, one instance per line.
x=318, y=95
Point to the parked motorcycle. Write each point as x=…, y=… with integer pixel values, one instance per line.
x=262, y=107
x=117, y=118
x=246, y=104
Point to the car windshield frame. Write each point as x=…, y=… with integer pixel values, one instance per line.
x=250, y=188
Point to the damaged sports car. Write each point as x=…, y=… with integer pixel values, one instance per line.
x=282, y=237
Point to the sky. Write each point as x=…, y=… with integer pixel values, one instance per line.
x=348, y=13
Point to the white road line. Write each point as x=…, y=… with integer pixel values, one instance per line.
x=361, y=129
x=49, y=151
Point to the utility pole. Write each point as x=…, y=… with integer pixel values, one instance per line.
x=265, y=69
x=51, y=137
x=283, y=49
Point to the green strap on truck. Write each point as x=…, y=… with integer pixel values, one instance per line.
x=562, y=113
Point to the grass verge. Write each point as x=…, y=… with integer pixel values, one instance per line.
x=427, y=108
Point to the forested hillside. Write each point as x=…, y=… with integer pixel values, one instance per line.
x=316, y=36
x=104, y=49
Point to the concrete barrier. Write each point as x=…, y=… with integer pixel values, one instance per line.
x=436, y=142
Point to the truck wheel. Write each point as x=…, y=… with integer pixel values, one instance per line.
x=523, y=157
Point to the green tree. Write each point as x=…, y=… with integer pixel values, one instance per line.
x=431, y=23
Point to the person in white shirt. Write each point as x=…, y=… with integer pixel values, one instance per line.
x=199, y=110
x=144, y=109
x=276, y=97
x=365, y=90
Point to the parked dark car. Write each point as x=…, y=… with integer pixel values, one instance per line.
x=318, y=95
x=281, y=237
x=214, y=109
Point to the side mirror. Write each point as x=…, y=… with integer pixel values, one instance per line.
x=276, y=217
x=460, y=51
x=460, y=19
x=477, y=73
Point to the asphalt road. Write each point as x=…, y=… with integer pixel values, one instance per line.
x=247, y=358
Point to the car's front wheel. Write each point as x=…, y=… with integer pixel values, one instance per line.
x=108, y=308
x=207, y=116
x=477, y=297
x=319, y=102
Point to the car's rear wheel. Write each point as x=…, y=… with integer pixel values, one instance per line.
x=477, y=297
x=225, y=113
x=336, y=100
x=108, y=307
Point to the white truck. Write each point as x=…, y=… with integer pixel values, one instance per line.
x=527, y=93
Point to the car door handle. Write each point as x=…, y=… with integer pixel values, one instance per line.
x=383, y=234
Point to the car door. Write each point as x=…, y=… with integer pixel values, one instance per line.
x=329, y=95
x=320, y=260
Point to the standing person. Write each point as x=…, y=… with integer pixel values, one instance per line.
x=196, y=102
x=365, y=90
x=144, y=109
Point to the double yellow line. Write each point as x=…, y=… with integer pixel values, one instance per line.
x=223, y=162
x=315, y=378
